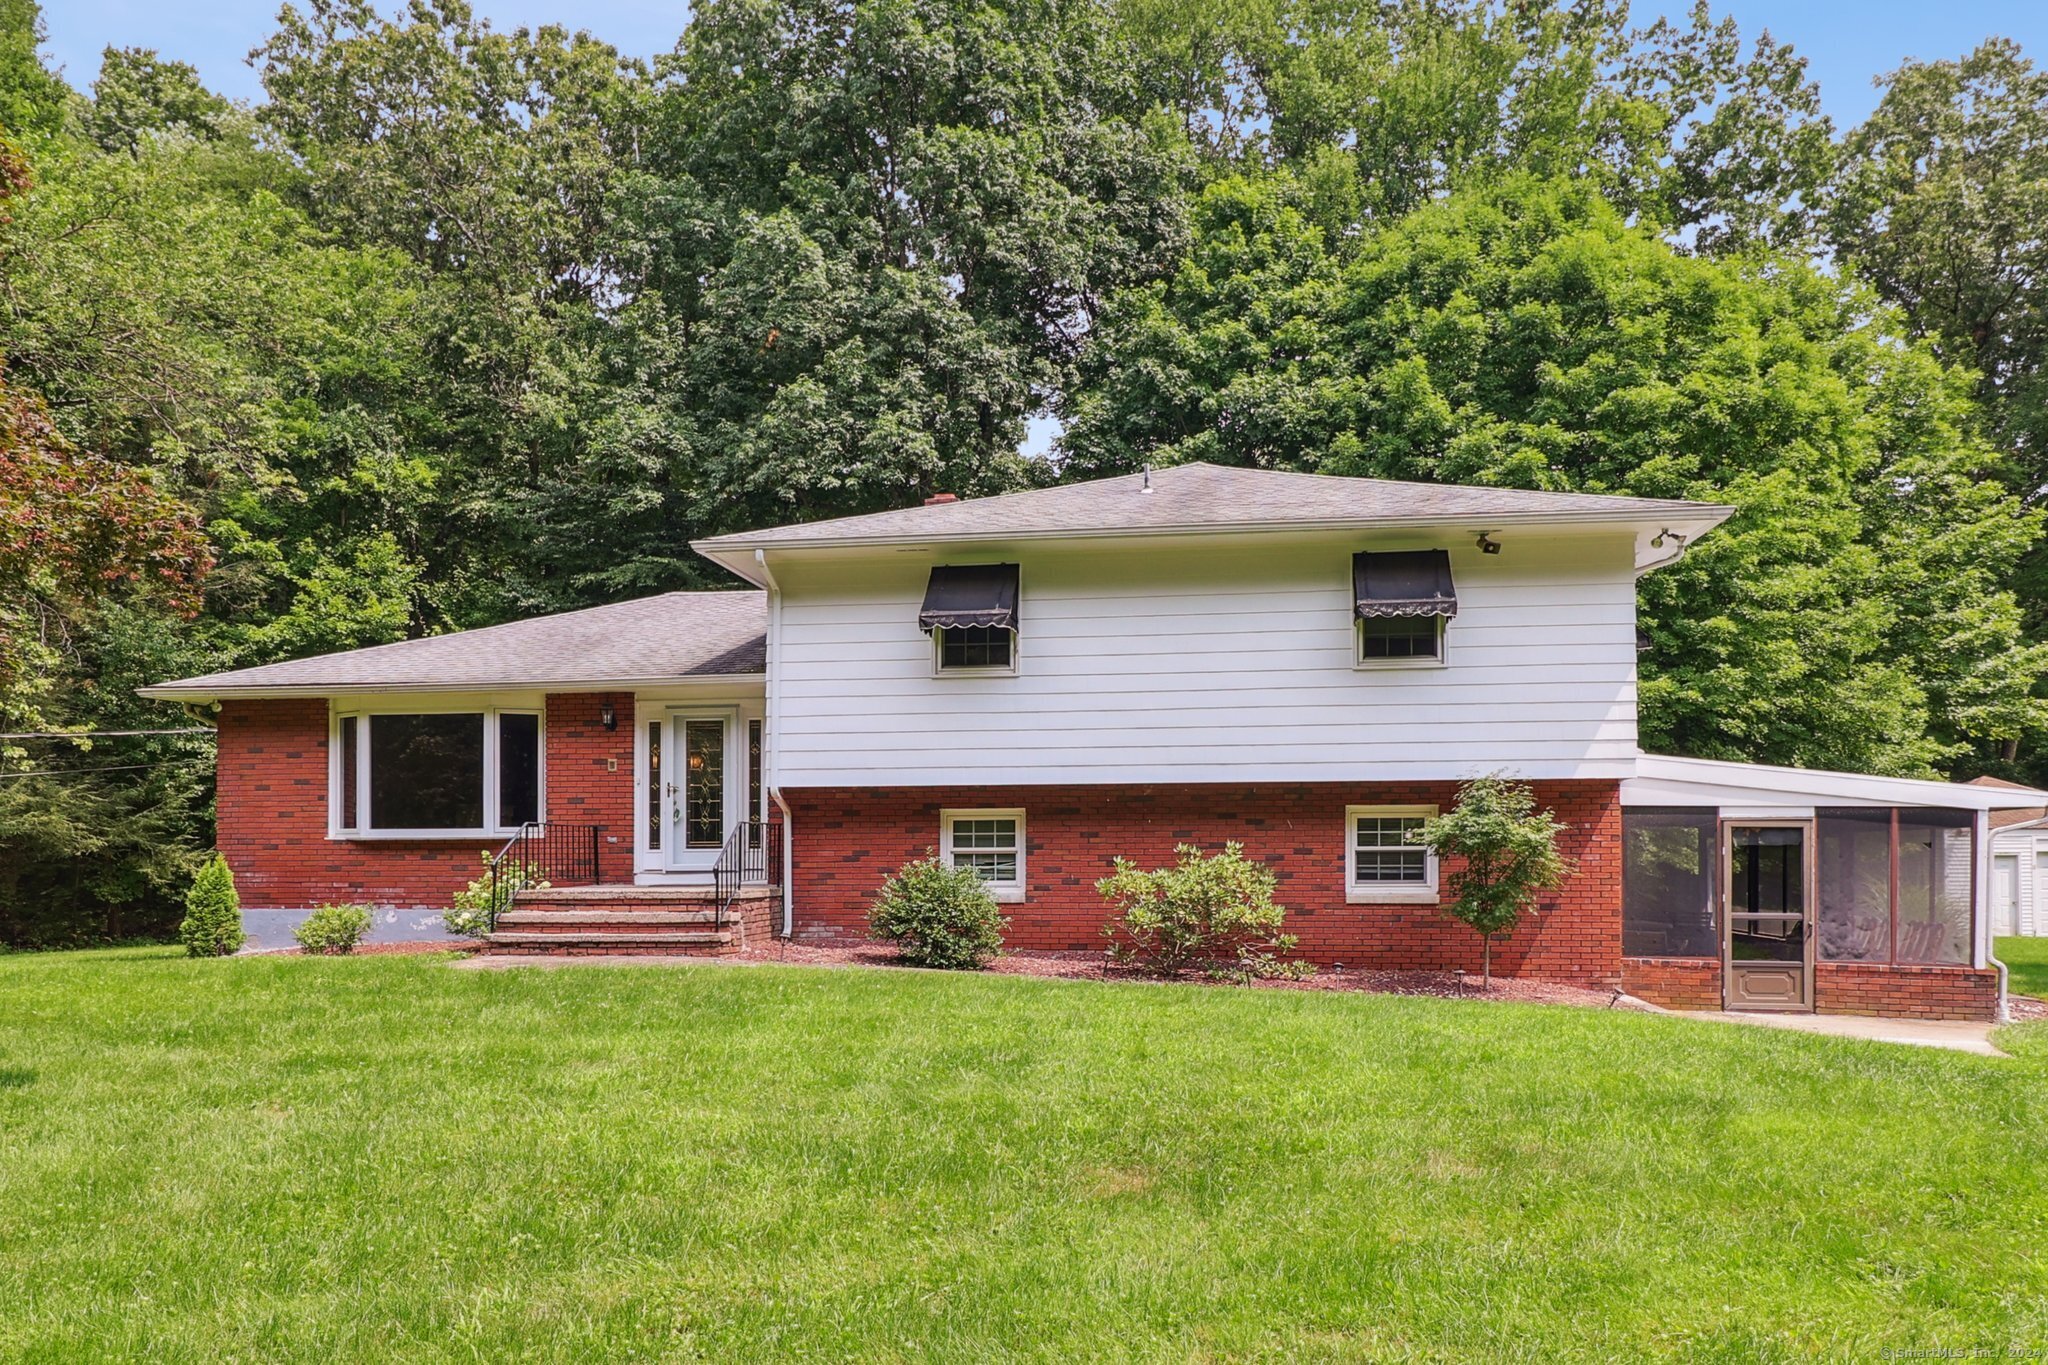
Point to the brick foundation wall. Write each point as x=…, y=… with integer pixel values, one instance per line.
x=1676, y=983
x=272, y=808
x=845, y=842
x=1906, y=992
x=1838, y=987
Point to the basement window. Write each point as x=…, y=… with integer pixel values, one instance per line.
x=435, y=773
x=1384, y=863
x=991, y=842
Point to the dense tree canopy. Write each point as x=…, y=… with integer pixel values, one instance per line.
x=1851, y=615
x=457, y=325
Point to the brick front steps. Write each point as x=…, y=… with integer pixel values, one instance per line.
x=612, y=920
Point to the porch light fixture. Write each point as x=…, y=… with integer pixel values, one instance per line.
x=1657, y=541
x=608, y=717
x=1487, y=544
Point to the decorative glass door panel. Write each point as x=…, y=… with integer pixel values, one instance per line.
x=703, y=812
x=697, y=773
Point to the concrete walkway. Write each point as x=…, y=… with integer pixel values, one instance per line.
x=1956, y=1035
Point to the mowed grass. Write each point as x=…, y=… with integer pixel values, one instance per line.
x=2026, y=962
x=387, y=1158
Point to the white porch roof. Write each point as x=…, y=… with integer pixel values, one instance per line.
x=1759, y=788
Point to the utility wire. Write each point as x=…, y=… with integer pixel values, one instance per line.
x=106, y=734
x=112, y=768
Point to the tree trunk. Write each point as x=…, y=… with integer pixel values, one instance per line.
x=1486, y=961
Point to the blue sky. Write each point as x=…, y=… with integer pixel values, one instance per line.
x=1847, y=41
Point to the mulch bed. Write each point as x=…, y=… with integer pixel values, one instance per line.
x=378, y=950
x=1080, y=966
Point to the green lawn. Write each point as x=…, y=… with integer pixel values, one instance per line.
x=278, y=1159
x=2026, y=961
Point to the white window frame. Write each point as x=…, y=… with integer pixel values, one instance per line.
x=364, y=832
x=1386, y=893
x=1009, y=670
x=1007, y=893
x=1440, y=659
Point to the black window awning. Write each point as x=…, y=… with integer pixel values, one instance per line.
x=962, y=595
x=1403, y=583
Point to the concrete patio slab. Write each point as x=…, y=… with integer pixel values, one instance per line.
x=1956, y=1035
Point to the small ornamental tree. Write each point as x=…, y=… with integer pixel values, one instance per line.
x=1509, y=850
x=1214, y=914
x=213, y=912
x=938, y=915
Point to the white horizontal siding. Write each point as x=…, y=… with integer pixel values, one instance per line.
x=1184, y=664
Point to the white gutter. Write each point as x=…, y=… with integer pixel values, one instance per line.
x=771, y=710
x=1705, y=515
x=175, y=692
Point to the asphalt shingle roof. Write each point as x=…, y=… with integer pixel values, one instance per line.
x=675, y=635
x=1207, y=496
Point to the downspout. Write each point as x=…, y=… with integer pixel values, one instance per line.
x=771, y=695
x=1981, y=894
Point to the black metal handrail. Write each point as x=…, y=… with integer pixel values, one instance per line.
x=752, y=856
x=544, y=854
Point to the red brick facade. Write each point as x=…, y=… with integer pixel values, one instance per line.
x=846, y=842
x=272, y=822
x=273, y=830
x=1676, y=983
x=1905, y=992
x=1838, y=987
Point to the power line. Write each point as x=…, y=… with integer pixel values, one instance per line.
x=106, y=734
x=111, y=768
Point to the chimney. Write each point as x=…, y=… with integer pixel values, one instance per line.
x=937, y=498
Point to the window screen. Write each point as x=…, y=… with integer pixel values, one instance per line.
x=427, y=772
x=1855, y=874
x=518, y=769
x=1930, y=920
x=1669, y=859
x=1935, y=884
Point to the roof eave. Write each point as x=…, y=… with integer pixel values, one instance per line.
x=181, y=691
x=1806, y=784
x=730, y=550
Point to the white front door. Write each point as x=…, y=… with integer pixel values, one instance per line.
x=2005, y=894
x=699, y=798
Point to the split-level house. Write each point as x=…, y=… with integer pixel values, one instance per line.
x=1037, y=683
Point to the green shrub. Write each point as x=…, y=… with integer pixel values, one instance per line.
x=333, y=929
x=938, y=915
x=475, y=910
x=1210, y=914
x=213, y=912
